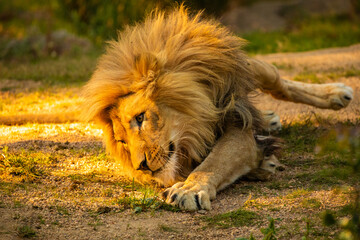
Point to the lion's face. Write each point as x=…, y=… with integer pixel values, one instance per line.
x=146, y=133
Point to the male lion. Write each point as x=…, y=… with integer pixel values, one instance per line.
x=171, y=95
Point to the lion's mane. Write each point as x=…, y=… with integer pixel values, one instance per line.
x=181, y=61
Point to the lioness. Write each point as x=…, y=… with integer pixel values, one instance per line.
x=171, y=95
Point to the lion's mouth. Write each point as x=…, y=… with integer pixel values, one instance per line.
x=171, y=152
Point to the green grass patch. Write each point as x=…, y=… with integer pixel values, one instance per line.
x=144, y=204
x=133, y=187
x=327, y=177
x=269, y=232
x=95, y=223
x=315, y=77
x=333, y=175
x=311, y=203
x=141, y=198
x=283, y=66
x=23, y=166
x=79, y=178
x=17, y=204
x=68, y=71
x=102, y=156
x=335, y=160
x=166, y=228
x=41, y=219
x=310, y=34
x=55, y=223
x=9, y=187
x=62, y=210
x=352, y=73
x=298, y=193
x=236, y=218
x=277, y=184
x=320, y=154
x=308, y=77
x=300, y=137
x=26, y=232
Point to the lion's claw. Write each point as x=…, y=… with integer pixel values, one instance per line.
x=272, y=121
x=187, y=198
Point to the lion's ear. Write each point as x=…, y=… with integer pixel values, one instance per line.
x=147, y=68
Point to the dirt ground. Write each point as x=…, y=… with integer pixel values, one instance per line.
x=59, y=207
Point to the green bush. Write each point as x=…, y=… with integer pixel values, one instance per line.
x=307, y=34
x=100, y=20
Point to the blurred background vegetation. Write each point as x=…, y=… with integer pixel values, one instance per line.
x=40, y=28
x=52, y=28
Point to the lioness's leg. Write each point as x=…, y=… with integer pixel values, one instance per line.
x=332, y=95
x=234, y=155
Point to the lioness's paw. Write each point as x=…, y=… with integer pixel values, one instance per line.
x=190, y=197
x=272, y=121
x=340, y=95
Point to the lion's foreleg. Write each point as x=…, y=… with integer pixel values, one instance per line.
x=234, y=155
x=332, y=95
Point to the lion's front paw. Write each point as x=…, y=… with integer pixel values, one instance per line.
x=272, y=121
x=189, y=197
x=340, y=95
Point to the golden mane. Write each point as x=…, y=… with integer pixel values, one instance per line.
x=183, y=62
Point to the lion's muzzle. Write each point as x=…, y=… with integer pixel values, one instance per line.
x=143, y=165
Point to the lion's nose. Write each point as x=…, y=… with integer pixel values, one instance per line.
x=143, y=165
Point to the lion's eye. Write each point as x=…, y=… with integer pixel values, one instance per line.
x=140, y=118
x=120, y=141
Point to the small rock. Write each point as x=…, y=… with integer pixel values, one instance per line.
x=202, y=211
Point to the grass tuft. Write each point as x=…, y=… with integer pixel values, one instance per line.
x=26, y=232
x=300, y=137
x=236, y=218
x=62, y=211
x=166, y=228
x=298, y=193
x=139, y=205
x=308, y=77
x=23, y=166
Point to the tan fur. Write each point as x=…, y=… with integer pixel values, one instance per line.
x=172, y=97
x=185, y=70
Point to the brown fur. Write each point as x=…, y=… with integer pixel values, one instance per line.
x=176, y=68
